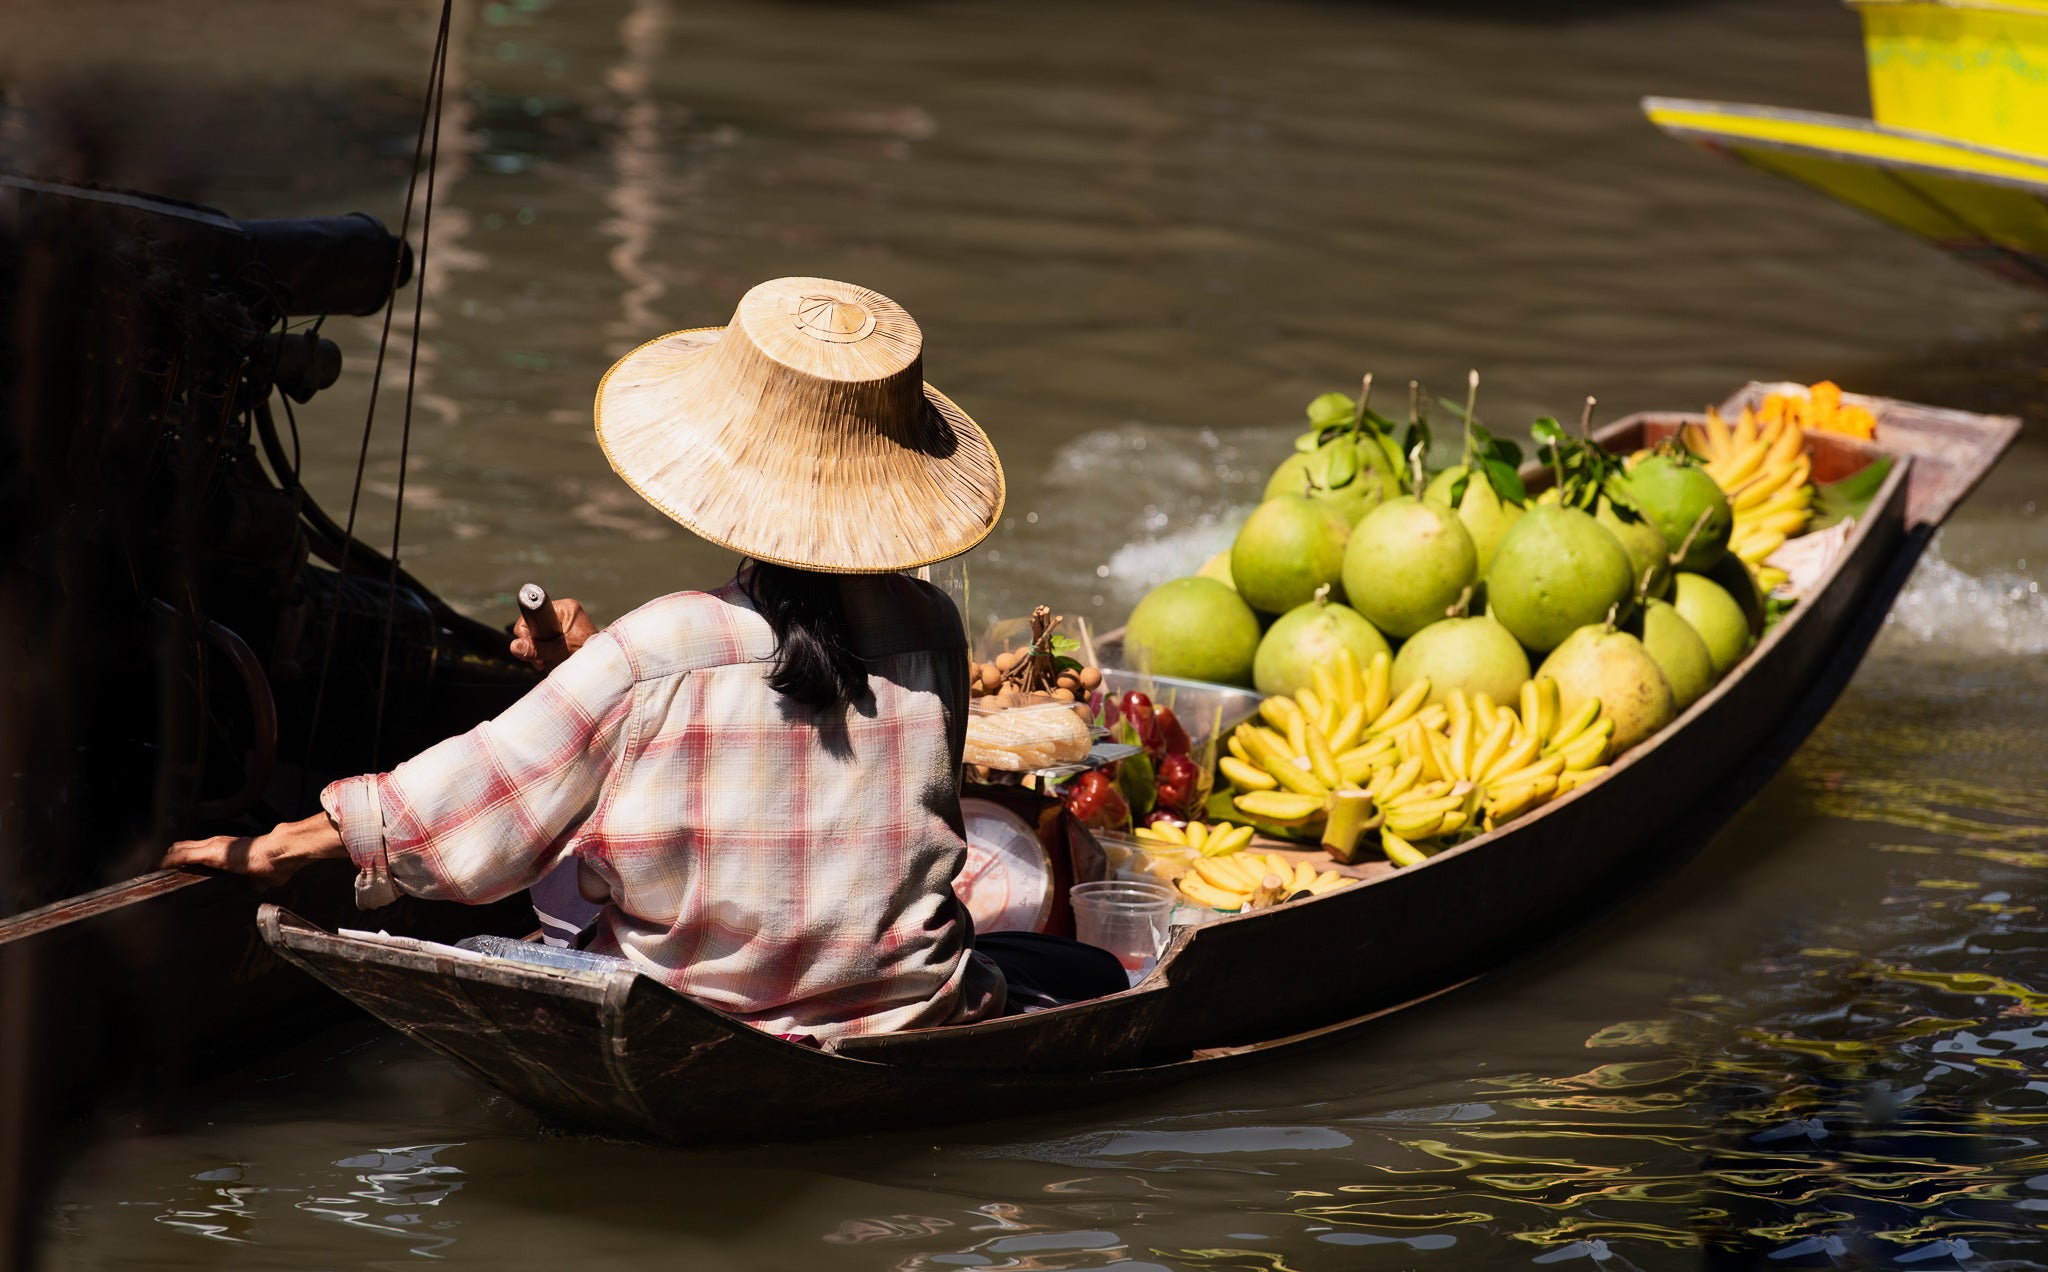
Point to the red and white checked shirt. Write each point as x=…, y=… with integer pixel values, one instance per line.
x=788, y=865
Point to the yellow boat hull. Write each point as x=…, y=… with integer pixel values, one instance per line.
x=1985, y=204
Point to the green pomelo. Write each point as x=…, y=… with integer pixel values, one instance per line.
x=1678, y=652
x=1557, y=570
x=1613, y=666
x=1676, y=496
x=1290, y=546
x=1476, y=655
x=1218, y=567
x=1194, y=628
x=1307, y=636
x=1351, y=476
x=1644, y=543
x=1485, y=514
x=1408, y=563
x=1722, y=626
x=1736, y=580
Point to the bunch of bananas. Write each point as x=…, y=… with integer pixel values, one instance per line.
x=1761, y=464
x=1210, y=839
x=1249, y=880
x=1488, y=767
x=1417, y=773
x=1332, y=736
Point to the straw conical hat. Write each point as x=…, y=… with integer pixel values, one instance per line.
x=803, y=434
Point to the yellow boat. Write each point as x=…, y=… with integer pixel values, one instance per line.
x=1957, y=151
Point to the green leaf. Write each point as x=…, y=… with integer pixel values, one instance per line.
x=1392, y=450
x=1374, y=422
x=1547, y=432
x=1342, y=467
x=1838, y=501
x=1331, y=408
x=1504, y=450
x=1061, y=663
x=1457, y=491
x=1140, y=786
x=1061, y=643
x=1506, y=482
x=1308, y=441
x=1458, y=409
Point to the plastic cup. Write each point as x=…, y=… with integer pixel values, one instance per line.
x=1127, y=917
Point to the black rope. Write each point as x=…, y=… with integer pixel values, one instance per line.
x=428, y=112
x=437, y=92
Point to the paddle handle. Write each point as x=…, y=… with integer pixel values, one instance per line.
x=543, y=625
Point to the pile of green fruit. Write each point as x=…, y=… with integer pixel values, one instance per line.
x=1615, y=584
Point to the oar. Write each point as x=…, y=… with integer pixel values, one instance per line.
x=543, y=626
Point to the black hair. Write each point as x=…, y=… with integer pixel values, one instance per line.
x=815, y=662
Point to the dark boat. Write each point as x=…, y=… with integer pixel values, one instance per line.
x=175, y=607
x=618, y=1052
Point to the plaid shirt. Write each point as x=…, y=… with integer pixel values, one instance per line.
x=790, y=866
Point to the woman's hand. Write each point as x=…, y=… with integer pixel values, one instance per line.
x=268, y=859
x=576, y=629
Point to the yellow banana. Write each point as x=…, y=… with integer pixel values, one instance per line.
x=1197, y=834
x=1520, y=752
x=1280, y=806
x=1401, y=779
x=1350, y=727
x=1549, y=766
x=1790, y=521
x=1277, y=711
x=1304, y=879
x=1217, y=872
x=1350, y=679
x=1282, y=767
x=1493, y=747
x=1457, y=750
x=1201, y=892
x=1400, y=851
x=1246, y=776
x=1714, y=435
x=1379, y=692
x=1322, y=761
x=1311, y=704
x=1237, y=749
x=1572, y=779
x=1434, y=716
x=1221, y=843
x=1589, y=748
x=1580, y=721
x=1323, y=677
x=1400, y=709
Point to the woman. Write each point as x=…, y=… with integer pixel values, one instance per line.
x=763, y=778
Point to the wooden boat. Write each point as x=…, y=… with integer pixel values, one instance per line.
x=618, y=1052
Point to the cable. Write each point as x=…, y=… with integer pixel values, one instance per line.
x=428, y=111
x=437, y=92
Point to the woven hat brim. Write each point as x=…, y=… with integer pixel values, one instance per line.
x=900, y=528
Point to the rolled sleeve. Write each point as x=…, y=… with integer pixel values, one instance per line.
x=356, y=806
x=483, y=814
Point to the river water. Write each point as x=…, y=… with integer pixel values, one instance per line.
x=1138, y=238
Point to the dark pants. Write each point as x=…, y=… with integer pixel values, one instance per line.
x=1042, y=971
x=1051, y=971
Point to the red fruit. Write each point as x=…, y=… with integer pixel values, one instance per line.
x=1171, y=735
x=1177, y=777
x=1095, y=801
x=1086, y=793
x=1137, y=709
